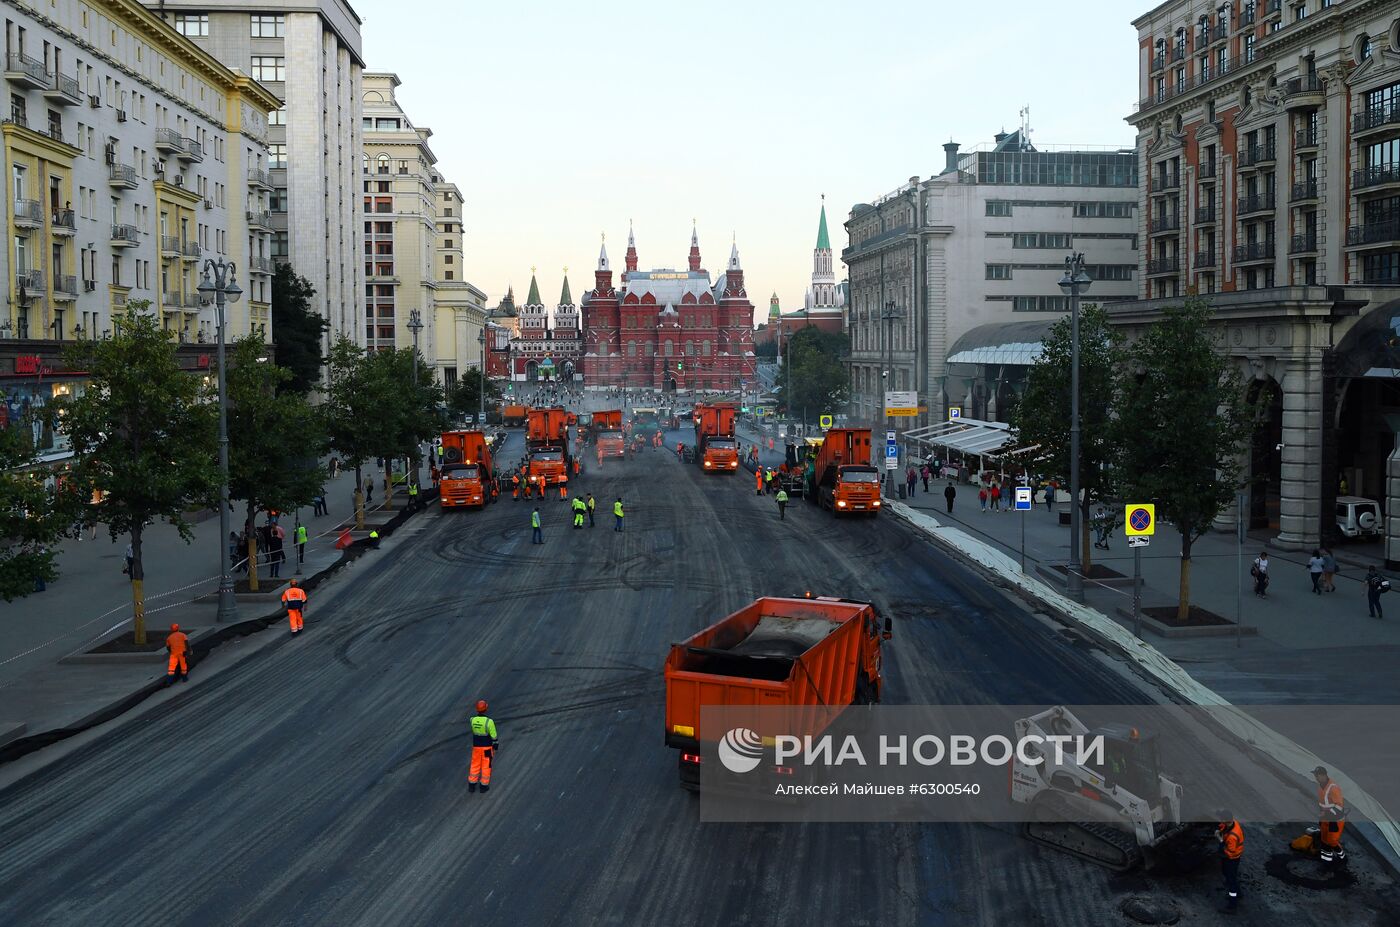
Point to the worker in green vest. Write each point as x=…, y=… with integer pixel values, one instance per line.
x=536, y=535
x=374, y=538
x=617, y=513
x=484, y=747
x=412, y=497
x=782, y=503
x=301, y=543
x=580, y=511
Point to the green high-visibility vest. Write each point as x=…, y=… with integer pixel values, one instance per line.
x=374, y=535
x=483, y=726
x=534, y=519
x=301, y=534
x=412, y=490
x=782, y=495
x=617, y=509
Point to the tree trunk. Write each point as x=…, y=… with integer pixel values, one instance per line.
x=250, y=524
x=138, y=590
x=359, y=499
x=388, y=484
x=1086, y=556
x=1183, y=592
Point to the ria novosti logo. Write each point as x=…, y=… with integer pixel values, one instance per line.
x=741, y=750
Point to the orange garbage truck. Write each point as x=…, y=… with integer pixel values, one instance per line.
x=468, y=478
x=514, y=415
x=818, y=654
x=842, y=478
x=607, y=433
x=716, y=449
x=547, y=447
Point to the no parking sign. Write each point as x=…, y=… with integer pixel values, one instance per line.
x=1139, y=519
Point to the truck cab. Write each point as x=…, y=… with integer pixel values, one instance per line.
x=467, y=478
x=547, y=446
x=842, y=478
x=717, y=450
x=607, y=430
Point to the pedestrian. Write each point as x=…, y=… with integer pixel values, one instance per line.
x=369, y=491
x=910, y=478
x=1231, y=837
x=758, y=481
x=618, y=513
x=949, y=494
x=768, y=480
x=1375, y=586
x=592, y=504
x=413, y=497
x=580, y=509
x=176, y=645
x=1050, y=488
x=1315, y=567
x=536, y=535
x=1329, y=571
x=374, y=538
x=294, y=600
x=782, y=504
x=484, y=747
x=335, y=467
x=301, y=543
x=130, y=561
x=996, y=497
x=982, y=497
x=1260, y=572
x=926, y=473
x=1331, y=815
x=275, y=535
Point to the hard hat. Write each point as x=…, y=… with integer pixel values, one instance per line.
x=481, y=705
x=293, y=581
x=174, y=627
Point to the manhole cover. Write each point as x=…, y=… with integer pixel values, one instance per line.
x=1308, y=872
x=1151, y=911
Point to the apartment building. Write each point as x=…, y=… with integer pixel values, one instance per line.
x=1269, y=146
x=129, y=153
x=461, y=307
x=307, y=52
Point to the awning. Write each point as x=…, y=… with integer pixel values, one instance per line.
x=967, y=435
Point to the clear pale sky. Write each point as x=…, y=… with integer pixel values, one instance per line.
x=559, y=121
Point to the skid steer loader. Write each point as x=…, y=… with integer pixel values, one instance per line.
x=1119, y=814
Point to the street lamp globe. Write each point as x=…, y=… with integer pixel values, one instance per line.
x=232, y=291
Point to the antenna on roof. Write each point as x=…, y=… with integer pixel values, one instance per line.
x=1026, y=127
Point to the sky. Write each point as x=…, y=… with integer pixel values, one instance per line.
x=561, y=122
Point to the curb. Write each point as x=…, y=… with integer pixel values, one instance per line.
x=30, y=742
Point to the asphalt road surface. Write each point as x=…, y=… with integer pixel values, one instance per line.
x=323, y=782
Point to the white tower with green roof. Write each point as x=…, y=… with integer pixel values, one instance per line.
x=822, y=294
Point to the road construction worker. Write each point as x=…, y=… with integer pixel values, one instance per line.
x=758, y=482
x=412, y=496
x=580, y=509
x=782, y=504
x=515, y=486
x=617, y=513
x=1231, y=837
x=484, y=747
x=768, y=480
x=374, y=538
x=590, y=505
x=1332, y=813
x=578, y=466
x=294, y=600
x=680, y=451
x=563, y=486
x=536, y=535
x=301, y=543
x=176, y=644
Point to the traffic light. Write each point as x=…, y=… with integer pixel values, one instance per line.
x=680, y=365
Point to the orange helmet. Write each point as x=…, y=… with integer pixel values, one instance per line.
x=174, y=627
x=481, y=705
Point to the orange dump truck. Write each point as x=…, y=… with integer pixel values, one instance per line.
x=467, y=477
x=514, y=415
x=716, y=449
x=607, y=432
x=547, y=446
x=820, y=654
x=842, y=478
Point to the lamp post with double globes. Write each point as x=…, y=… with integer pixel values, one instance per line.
x=1074, y=282
x=481, y=380
x=415, y=325
x=223, y=288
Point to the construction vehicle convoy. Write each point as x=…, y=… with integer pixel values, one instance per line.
x=819, y=652
x=1125, y=812
x=468, y=478
x=607, y=433
x=513, y=416
x=547, y=446
x=716, y=449
x=841, y=478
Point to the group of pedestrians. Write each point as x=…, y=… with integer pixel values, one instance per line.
x=582, y=509
x=1323, y=570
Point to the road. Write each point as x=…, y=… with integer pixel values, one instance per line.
x=324, y=781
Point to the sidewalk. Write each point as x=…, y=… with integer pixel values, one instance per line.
x=1308, y=649
x=92, y=596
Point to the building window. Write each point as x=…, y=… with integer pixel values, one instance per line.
x=1055, y=240
x=192, y=24
x=998, y=208
x=269, y=68
x=447, y=275
x=278, y=201
x=268, y=27
x=998, y=271
x=1248, y=48
x=670, y=349
x=277, y=156
x=705, y=348
x=279, y=244
x=381, y=164
x=448, y=259
x=1040, y=303
x=278, y=117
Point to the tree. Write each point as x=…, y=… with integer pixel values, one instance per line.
x=1042, y=417
x=412, y=402
x=768, y=349
x=33, y=516
x=297, y=331
x=276, y=438
x=817, y=380
x=1181, y=427
x=464, y=396
x=145, y=432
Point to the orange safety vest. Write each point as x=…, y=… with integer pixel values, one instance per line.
x=176, y=641
x=1232, y=840
x=1331, y=794
x=294, y=598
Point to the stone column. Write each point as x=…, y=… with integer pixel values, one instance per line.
x=1332, y=179
x=1301, y=489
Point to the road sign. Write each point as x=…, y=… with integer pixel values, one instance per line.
x=889, y=437
x=824, y=421
x=1023, y=498
x=1139, y=519
x=891, y=452
x=954, y=413
x=1139, y=541
x=901, y=403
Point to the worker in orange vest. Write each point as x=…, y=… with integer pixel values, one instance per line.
x=515, y=485
x=1231, y=837
x=758, y=481
x=484, y=747
x=176, y=643
x=1332, y=813
x=578, y=467
x=600, y=455
x=294, y=601
x=563, y=486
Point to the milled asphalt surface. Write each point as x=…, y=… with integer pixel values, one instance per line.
x=324, y=781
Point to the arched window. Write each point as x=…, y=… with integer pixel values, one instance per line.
x=382, y=164
x=631, y=349
x=705, y=347
x=690, y=349
x=364, y=163
x=670, y=349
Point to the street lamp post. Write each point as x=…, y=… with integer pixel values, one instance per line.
x=481, y=380
x=223, y=288
x=1072, y=284
x=888, y=316
x=415, y=325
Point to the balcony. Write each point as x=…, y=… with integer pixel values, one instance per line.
x=168, y=141
x=1169, y=92
x=1304, y=190
x=191, y=302
x=259, y=219
x=1381, y=175
x=1163, y=182
x=261, y=265
x=1255, y=155
x=1159, y=266
x=1256, y=202
x=63, y=222
x=170, y=246
x=25, y=73
x=1273, y=6
x=1376, y=119
x=1387, y=276
x=191, y=251
x=193, y=153
x=1166, y=223
x=259, y=178
x=1204, y=259
x=31, y=281
x=65, y=288
x=1179, y=53
x=122, y=176
x=1254, y=251
x=1304, y=92
x=1205, y=215
x=1159, y=61
x=1303, y=244
x=1304, y=138
x=125, y=236
x=1205, y=171
x=1381, y=232
x=29, y=214
x=63, y=91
